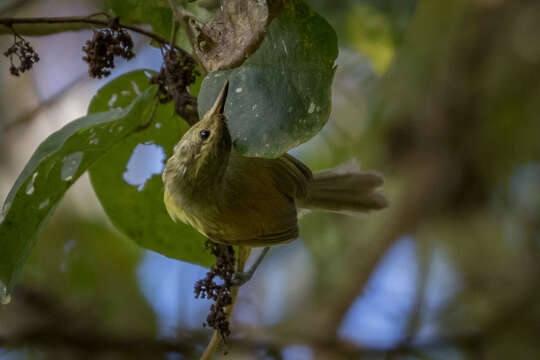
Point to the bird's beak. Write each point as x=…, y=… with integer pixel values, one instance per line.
x=219, y=105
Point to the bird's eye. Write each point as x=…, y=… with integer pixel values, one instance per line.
x=204, y=134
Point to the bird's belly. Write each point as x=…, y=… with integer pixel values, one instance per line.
x=230, y=221
x=219, y=227
x=204, y=218
x=260, y=225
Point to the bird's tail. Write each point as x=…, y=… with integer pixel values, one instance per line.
x=345, y=188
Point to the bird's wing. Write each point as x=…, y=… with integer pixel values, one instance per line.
x=259, y=203
x=290, y=176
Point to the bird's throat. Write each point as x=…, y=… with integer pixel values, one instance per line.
x=197, y=177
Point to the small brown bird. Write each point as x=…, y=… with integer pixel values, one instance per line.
x=237, y=200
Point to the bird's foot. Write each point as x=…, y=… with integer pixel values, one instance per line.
x=240, y=278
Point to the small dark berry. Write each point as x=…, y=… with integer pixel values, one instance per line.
x=103, y=47
x=21, y=51
x=207, y=288
x=176, y=75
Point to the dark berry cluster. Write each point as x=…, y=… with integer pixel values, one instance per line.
x=207, y=288
x=103, y=47
x=24, y=53
x=176, y=75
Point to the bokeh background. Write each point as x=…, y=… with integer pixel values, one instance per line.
x=442, y=97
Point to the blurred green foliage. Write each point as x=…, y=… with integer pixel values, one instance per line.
x=68, y=265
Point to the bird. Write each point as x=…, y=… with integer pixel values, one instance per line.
x=234, y=199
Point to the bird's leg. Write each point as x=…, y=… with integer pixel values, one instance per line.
x=240, y=278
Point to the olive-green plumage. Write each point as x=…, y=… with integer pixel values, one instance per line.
x=240, y=200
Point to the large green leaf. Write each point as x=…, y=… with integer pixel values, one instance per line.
x=128, y=182
x=52, y=169
x=280, y=96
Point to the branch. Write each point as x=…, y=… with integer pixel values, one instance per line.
x=50, y=324
x=174, y=23
x=53, y=25
x=243, y=254
x=271, y=338
x=181, y=17
x=89, y=342
x=427, y=171
x=414, y=318
x=27, y=117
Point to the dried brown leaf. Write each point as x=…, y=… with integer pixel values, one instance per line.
x=234, y=34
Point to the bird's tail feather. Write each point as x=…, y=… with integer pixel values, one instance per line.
x=345, y=188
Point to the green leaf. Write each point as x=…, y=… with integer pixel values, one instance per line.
x=156, y=13
x=281, y=95
x=52, y=169
x=128, y=182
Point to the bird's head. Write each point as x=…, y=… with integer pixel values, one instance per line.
x=204, y=149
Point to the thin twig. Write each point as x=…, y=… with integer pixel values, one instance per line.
x=243, y=254
x=414, y=318
x=30, y=115
x=183, y=16
x=8, y=26
x=404, y=217
x=52, y=337
x=174, y=23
